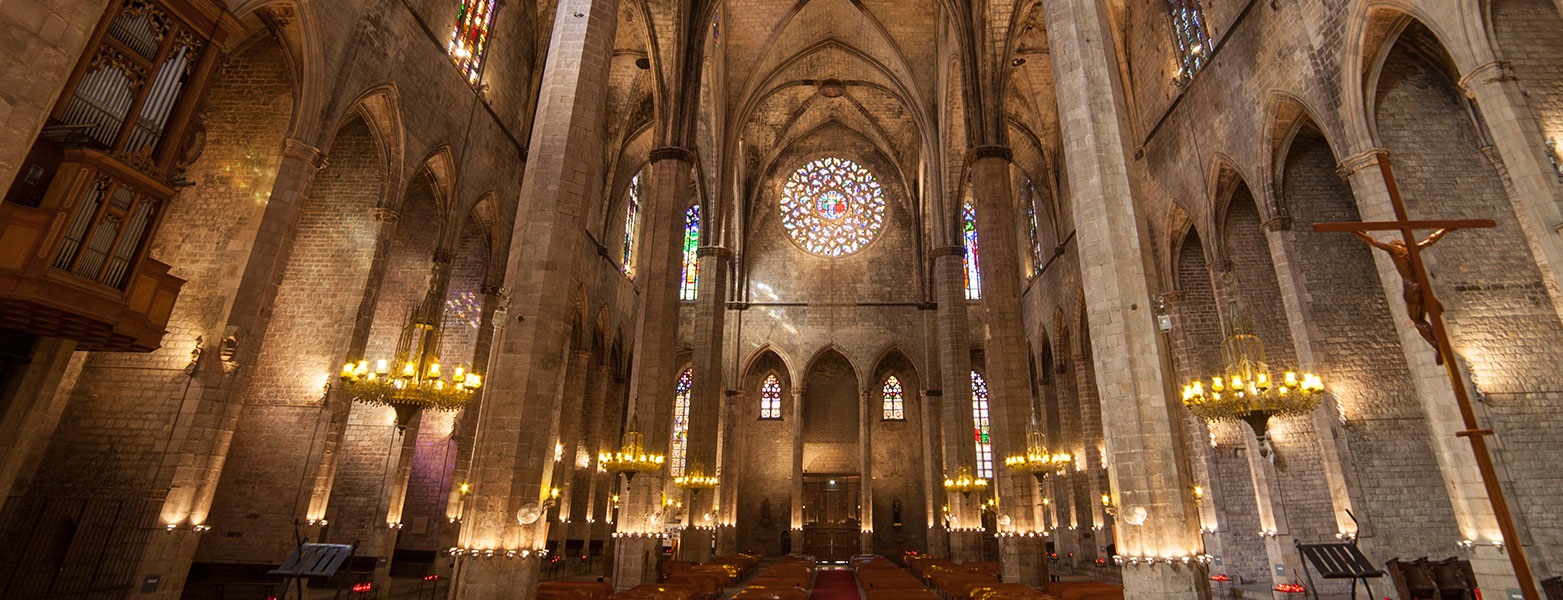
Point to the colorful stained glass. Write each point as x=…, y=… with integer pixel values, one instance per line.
x=832, y=207
x=770, y=398
x=969, y=238
x=690, y=283
x=631, y=225
x=680, y=451
x=895, y=403
x=1189, y=34
x=469, y=39
x=1031, y=220
x=982, y=427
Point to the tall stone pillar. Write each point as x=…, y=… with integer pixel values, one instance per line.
x=727, y=516
x=1141, y=442
x=796, y=528
x=575, y=405
x=584, y=484
x=1472, y=509
x=933, y=472
x=526, y=374
x=706, y=399
x=960, y=448
x=656, y=368
x=466, y=427
x=866, y=418
x=1537, y=192
x=33, y=395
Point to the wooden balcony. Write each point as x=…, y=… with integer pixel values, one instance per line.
x=76, y=266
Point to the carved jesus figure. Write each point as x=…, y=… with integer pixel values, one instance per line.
x=1416, y=301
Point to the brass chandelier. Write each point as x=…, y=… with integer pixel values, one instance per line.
x=632, y=457
x=1245, y=390
x=1039, y=460
x=964, y=482
x=412, y=379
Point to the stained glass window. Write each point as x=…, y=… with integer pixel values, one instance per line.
x=895, y=404
x=691, y=281
x=770, y=398
x=469, y=40
x=1190, y=34
x=631, y=224
x=832, y=207
x=983, y=428
x=969, y=238
x=680, y=449
x=1031, y=220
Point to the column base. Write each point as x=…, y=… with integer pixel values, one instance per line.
x=1494, y=572
x=694, y=545
x=167, y=558
x=797, y=540
x=966, y=546
x=727, y=541
x=866, y=546
x=1164, y=582
x=494, y=578
x=1021, y=558
x=634, y=561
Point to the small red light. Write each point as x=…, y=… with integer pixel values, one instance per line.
x=1290, y=588
x=1220, y=577
x=431, y=578
x=359, y=588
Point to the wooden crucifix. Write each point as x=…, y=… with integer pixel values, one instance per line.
x=1427, y=314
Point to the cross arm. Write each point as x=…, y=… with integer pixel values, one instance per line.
x=1401, y=225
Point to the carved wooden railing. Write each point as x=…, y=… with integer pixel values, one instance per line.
x=76, y=224
x=76, y=266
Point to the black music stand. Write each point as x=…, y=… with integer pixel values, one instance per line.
x=1338, y=560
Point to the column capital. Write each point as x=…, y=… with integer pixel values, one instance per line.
x=672, y=153
x=933, y=393
x=1172, y=296
x=490, y=289
x=985, y=152
x=443, y=257
x=1280, y=223
x=943, y=251
x=1492, y=71
x=293, y=147
x=1359, y=162
x=386, y=215
x=717, y=251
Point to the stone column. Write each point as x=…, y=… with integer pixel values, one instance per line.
x=727, y=518
x=1536, y=192
x=960, y=449
x=575, y=409
x=526, y=373
x=796, y=528
x=656, y=368
x=1456, y=462
x=1004, y=352
x=466, y=427
x=1199, y=443
x=34, y=394
x=1140, y=437
x=706, y=398
x=933, y=472
x=585, y=482
x=865, y=437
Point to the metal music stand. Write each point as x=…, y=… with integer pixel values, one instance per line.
x=1338, y=560
x=313, y=561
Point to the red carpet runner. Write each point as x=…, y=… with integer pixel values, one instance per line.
x=835, y=585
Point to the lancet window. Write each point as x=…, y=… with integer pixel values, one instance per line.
x=982, y=427
x=690, y=282
x=770, y=398
x=969, y=239
x=679, y=453
x=469, y=39
x=895, y=402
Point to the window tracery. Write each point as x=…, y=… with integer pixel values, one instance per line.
x=1030, y=200
x=679, y=453
x=982, y=426
x=832, y=207
x=969, y=240
x=690, y=282
x=631, y=225
x=469, y=39
x=1190, y=35
x=770, y=398
x=895, y=403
